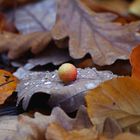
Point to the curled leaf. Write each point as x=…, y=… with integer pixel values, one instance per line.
x=117, y=98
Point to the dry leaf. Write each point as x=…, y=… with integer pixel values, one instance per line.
x=117, y=6
x=17, y=45
x=8, y=126
x=5, y=25
x=52, y=55
x=8, y=84
x=135, y=62
x=60, y=93
x=56, y=132
x=117, y=98
x=36, y=17
x=127, y=136
x=135, y=8
x=36, y=127
x=111, y=128
x=94, y=33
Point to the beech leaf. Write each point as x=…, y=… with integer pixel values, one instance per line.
x=117, y=98
x=60, y=93
x=94, y=33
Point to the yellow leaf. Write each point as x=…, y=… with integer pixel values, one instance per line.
x=8, y=84
x=118, y=98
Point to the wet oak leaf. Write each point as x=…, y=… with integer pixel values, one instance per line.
x=17, y=45
x=117, y=98
x=60, y=94
x=8, y=84
x=94, y=33
x=135, y=62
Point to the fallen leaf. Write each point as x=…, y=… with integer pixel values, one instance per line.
x=135, y=62
x=117, y=98
x=8, y=126
x=127, y=136
x=105, y=40
x=17, y=45
x=5, y=25
x=52, y=55
x=36, y=17
x=135, y=8
x=8, y=84
x=117, y=6
x=60, y=93
x=111, y=128
x=36, y=127
x=56, y=132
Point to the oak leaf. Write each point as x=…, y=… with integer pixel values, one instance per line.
x=38, y=17
x=17, y=45
x=56, y=132
x=8, y=84
x=117, y=98
x=52, y=55
x=36, y=127
x=8, y=126
x=94, y=33
x=60, y=94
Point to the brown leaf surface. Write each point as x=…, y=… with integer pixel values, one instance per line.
x=117, y=98
x=36, y=127
x=56, y=132
x=52, y=55
x=8, y=126
x=8, y=84
x=17, y=45
x=60, y=93
x=36, y=17
x=94, y=33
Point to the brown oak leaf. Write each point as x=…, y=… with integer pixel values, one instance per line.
x=35, y=128
x=60, y=94
x=117, y=98
x=94, y=33
x=36, y=17
x=17, y=45
x=8, y=126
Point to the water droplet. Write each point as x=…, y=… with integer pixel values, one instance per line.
x=36, y=85
x=90, y=85
x=43, y=80
x=26, y=84
x=47, y=83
